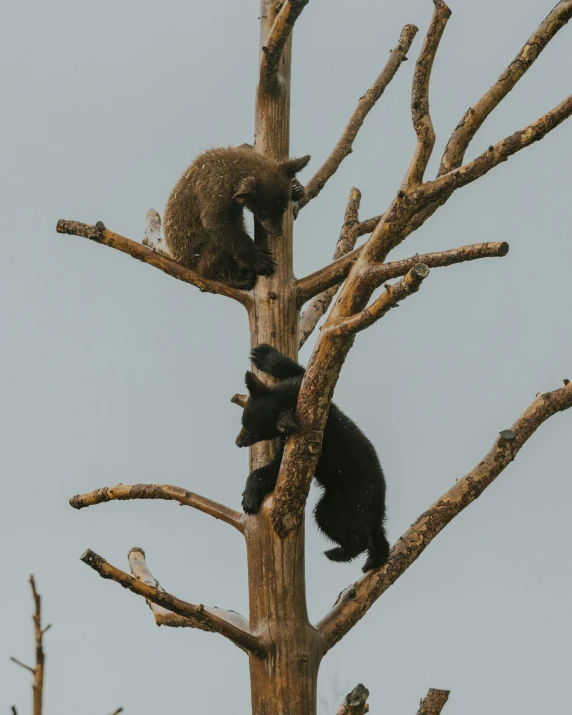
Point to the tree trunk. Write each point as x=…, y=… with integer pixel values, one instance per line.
x=285, y=682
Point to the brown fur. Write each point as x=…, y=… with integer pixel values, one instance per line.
x=204, y=217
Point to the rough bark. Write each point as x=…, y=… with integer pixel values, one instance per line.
x=433, y=702
x=355, y=703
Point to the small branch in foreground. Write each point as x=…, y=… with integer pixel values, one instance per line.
x=99, y=234
x=356, y=600
x=22, y=665
x=365, y=104
x=125, y=492
x=433, y=702
x=389, y=299
x=116, y=712
x=278, y=36
x=355, y=703
x=420, y=96
x=199, y=614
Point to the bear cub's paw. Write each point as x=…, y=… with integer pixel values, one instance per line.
x=264, y=264
x=261, y=356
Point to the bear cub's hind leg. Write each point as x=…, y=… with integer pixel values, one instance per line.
x=260, y=482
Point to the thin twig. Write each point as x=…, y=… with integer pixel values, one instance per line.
x=434, y=702
x=217, y=624
x=22, y=665
x=420, y=96
x=278, y=36
x=355, y=703
x=99, y=234
x=389, y=299
x=365, y=104
x=356, y=600
x=124, y=492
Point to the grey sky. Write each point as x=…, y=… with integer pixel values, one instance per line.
x=112, y=371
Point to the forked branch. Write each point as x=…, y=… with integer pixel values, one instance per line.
x=356, y=600
x=125, y=492
x=475, y=116
x=335, y=272
x=389, y=299
x=355, y=703
x=420, y=96
x=365, y=104
x=99, y=234
x=214, y=622
x=434, y=702
x=279, y=33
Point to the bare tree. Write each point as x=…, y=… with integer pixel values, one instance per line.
x=284, y=648
x=39, y=667
x=38, y=671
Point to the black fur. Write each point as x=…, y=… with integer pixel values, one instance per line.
x=351, y=511
x=204, y=217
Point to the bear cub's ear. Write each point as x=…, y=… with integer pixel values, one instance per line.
x=286, y=422
x=292, y=166
x=255, y=386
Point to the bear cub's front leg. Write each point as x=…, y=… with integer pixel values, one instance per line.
x=260, y=482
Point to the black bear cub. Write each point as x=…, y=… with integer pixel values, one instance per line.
x=204, y=217
x=351, y=511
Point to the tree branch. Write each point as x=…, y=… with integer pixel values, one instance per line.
x=278, y=37
x=433, y=702
x=239, y=399
x=119, y=710
x=475, y=116
x=124, y=492
x=355, y=703
x=244, y=639
x=334, y=273
x=22, y=665
x=164, y=617
x=101, y=235
x=365, y=104
x=420, y=96
x=389, y=299
x=500, y=152
x=355, y=601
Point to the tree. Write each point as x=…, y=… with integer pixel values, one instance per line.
x=284, y=648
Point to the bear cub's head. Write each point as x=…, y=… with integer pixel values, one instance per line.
x=269, y=411
x=267, y=196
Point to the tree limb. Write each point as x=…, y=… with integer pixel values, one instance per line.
x=123, y=492
x=278, y=36
x=101, y=235
x=433, y=702
x=164, y=617
x=365, y=104
x=420, y=96
x=389, y=299
x=239, y=399
x=475, y=116
x=355, y=601
x=22, y=665
x=355, y=703
x=244, y=639
x=119, y=710
x=334, y=273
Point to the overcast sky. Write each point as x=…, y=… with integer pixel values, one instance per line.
x=113, y=371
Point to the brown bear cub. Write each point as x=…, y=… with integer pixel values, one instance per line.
x=204, y=218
